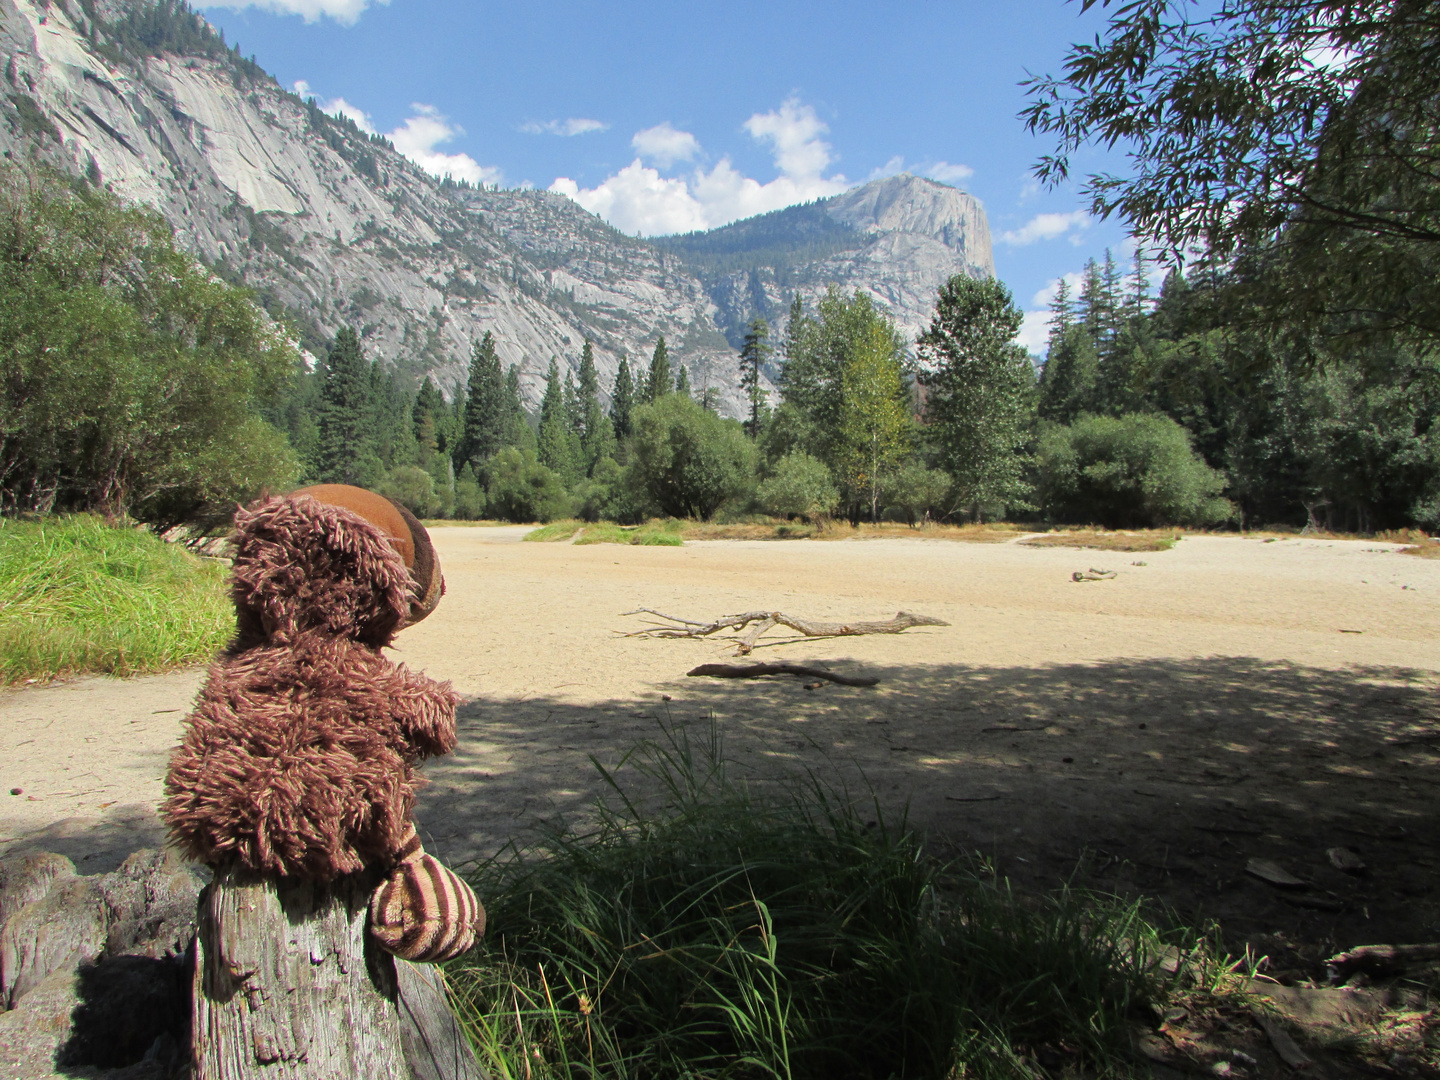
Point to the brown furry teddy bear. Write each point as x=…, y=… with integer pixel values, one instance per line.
x=299, y=758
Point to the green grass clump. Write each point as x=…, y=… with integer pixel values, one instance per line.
x=719, y=932
x=657, y=533
x=77, y=595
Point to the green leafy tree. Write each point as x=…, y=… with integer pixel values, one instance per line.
x=689, y=461
x=413, y=488
x=348, y=454
x=1293, y=138
x=132, y=381
x=622, y=400
x=915, y=493
x=470, y=501
x=798, y=486
x=485, y=405
x=519, y=488
x=1126, y=472
x=980, y=389
x=659, y=381
x=753, y=356
x=874, y=418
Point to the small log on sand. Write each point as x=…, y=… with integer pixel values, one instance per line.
x=752, y=671
x=759, y=622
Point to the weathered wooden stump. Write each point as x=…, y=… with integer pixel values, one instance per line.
x=288, y=984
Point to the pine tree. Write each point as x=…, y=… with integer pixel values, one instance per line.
x=485, y=421
x=622, y=400
x=1139, y=298
x=426, y=418
x=981, y=388
x=658, y=384
x=394, y=426
x=557, y=440
x=347, y=415
x=518, y=431
x=1092, y=314
x=796, y=367
x=682, y=380
x=1061, y=314
x=597, y=434
x=1068, y=382
x=1113, y=288
x=753, y=356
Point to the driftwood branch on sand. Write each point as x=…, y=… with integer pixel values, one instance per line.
x=752, y=671
x=758, y=622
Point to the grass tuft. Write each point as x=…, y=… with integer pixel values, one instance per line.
x=657, y=533
x=1103, y=540
x=78, y=596
x=716, y=931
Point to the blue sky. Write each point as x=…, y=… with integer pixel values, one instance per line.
x=664, y=117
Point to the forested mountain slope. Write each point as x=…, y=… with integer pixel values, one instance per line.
x=331, y=227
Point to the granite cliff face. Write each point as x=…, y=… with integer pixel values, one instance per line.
x=330, y=226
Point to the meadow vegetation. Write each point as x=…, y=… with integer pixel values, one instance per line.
x=78, y=595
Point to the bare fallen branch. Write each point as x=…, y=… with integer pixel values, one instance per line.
x=760, y=621
x=751, y=671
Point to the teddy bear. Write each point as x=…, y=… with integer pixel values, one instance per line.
x=299, y=758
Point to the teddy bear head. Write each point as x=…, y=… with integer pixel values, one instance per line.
x=332, y=559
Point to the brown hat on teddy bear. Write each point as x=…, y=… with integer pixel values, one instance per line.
x=299, y=758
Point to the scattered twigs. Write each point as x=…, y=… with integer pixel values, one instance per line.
x=751, y=671
x=1380, y=959
x=755, y=623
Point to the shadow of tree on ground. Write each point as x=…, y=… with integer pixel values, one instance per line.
x=1161, y=777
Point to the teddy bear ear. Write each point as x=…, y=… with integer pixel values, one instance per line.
x=404, y=532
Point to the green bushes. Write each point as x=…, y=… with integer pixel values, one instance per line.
x=800, y=486
x=687, y=459
x=729, y=933
x=1130, y=471
x=519, y=488
x=79, y=596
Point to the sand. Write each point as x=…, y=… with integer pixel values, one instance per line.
x=1229, y=699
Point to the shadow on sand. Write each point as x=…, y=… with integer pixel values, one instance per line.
x=1162, y=777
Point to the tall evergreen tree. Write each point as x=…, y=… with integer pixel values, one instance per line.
x=682, y=380
x=1092, y=314
x=796, y=376
x=347, y=415
x=426, y=417
x=753, y=356
x=1139, y=295
x=1061, y=314
x=980, y=392
x=622, y=400
x=658, y=384
x=485, y=421
x=597, y=434
x=558, y=443
x=1069, y=379
x=518, y=431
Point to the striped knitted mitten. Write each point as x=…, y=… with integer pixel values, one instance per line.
x=423, y=911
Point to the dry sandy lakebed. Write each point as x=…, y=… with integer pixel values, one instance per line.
x=1231, y=699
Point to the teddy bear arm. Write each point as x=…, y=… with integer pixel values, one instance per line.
x=425, y=711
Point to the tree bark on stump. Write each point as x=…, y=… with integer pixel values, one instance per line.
x=289, y=986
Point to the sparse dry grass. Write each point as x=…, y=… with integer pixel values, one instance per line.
x=991, y=533
x=1430, y=549
x=1104, y=540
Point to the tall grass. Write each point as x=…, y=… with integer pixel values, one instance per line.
x=717, y=931
x=77, y=595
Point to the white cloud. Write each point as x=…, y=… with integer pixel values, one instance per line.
x=1047, y=227
x=575, y=125
x=893, y=167
x=1046, y=296
x=638, y=199
x=418, y=136
x=345, y=12
x=947, y=173
x=662, y=145
x=1035, y=332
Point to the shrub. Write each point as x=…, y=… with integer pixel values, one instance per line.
x=915, y=493
x=688, y=459
x=519, y=488
x=800, y=486
x=413, y=488
x=469, y=496
x=1130, y=471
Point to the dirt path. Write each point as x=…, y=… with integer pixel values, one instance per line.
x=1209, y=705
